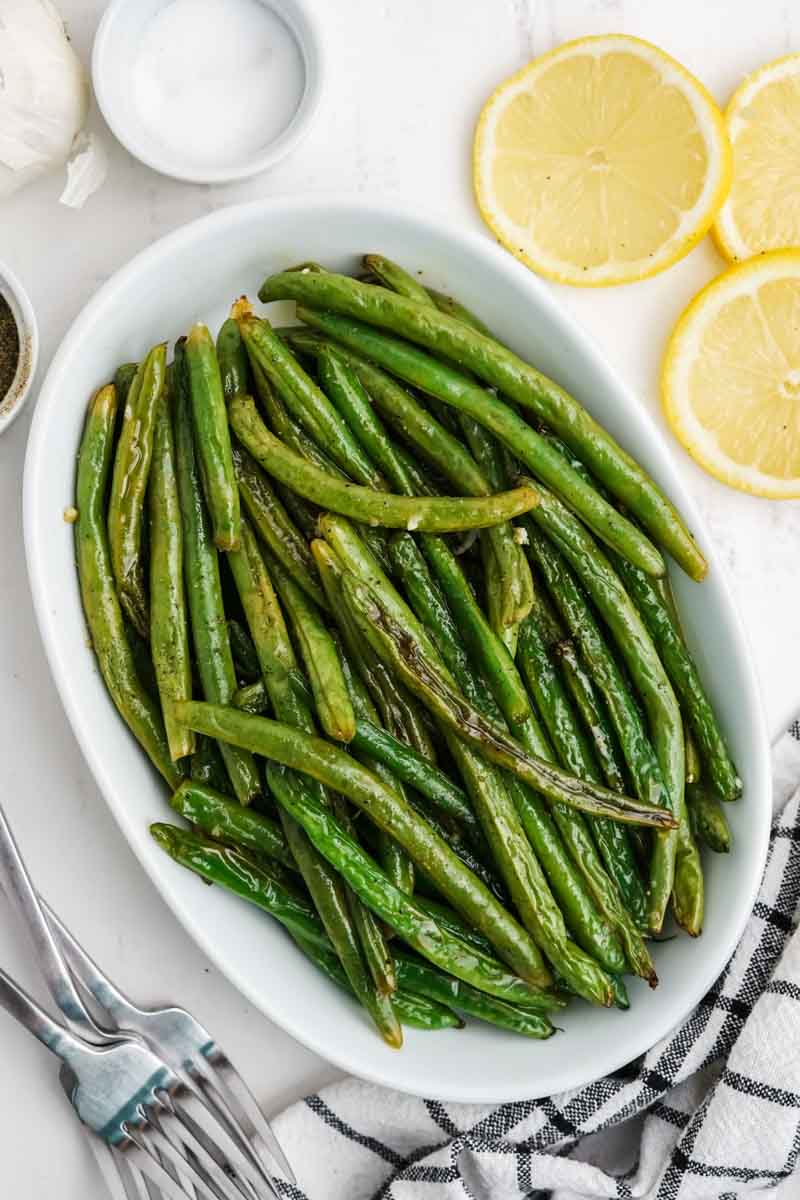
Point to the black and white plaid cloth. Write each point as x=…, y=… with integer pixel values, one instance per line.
x=712, y=1111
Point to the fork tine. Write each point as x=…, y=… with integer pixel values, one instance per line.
x=135, y=1184
x=235, y=1095
x=227, y=1144
x=146, y=1159
x=177, y=1142
x=254, y=1184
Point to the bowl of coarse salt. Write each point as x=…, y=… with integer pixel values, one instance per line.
x=208, y=91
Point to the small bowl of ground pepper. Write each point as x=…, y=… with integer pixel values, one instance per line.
x=19, y=346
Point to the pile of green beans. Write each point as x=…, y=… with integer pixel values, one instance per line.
x=387, y=610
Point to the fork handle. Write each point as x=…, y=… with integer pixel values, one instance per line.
x=87, y=972
x=19, y=1005
x=20, y=890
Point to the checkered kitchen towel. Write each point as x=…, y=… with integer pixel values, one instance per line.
x=711, y=1111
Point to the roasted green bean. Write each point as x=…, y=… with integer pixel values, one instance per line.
x=98, y=593
x=435, y=513
x=203, y=588
x=126, y=505
x=169, y=631
x=212, y=437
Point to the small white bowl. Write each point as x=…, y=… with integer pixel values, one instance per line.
x=16, y=297
x=116, y=44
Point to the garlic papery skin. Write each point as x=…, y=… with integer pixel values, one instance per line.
x=44, y=92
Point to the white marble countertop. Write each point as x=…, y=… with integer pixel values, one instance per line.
x=408, y=78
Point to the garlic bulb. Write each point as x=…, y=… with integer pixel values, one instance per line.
x=44, y=93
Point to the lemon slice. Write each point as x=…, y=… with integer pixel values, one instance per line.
x=731, y=376
x=601, y=162
x=762, y=210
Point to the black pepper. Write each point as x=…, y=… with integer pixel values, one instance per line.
x=9, y=347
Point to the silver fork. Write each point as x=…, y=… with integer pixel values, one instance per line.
x=127, y=1096
x=173, y=1117
x=182, y=1042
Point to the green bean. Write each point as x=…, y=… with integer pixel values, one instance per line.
x=501, y=368
x=245, y=659
x=641, y=658
x=642, y=761
x=595, y=719
x=485, y=647
x=319, y=655
x=429, y=604
x=394, y=860
x=232, y=359
x=617, y=889
x=169, y=633
x=511, y=598
x=288, y=430
x=305, y=401
x=693, y=764
x=333, y=900
x=239, y=872
x=481, y=864
x=142, y=659
x=418, y=977
x=420, y=1012
x=98, y=593
x=274, y=525
x=302, y=445
x=449, y=919
x=226, y=821
x=336, y=769
x=502, y=818
x=299, y=510
x=498, y=815
x=707, y=819
x=439, y=446
x=589, y=928
x=451, y=306
x=587, y=924
x=399, y=711
x=395, y=278
x=390, y=641
x=688, y=889
x=399, y=910
x=509, y=586
x=203, y=588
x=683, y=674
x=212, y=438
x=603, y=668
x=436, y=513
x=347, y=393
x=447, y=798
x=449, y=385
x=126, y=504
x=351, y=931
x=412, y=1010
x=369, y=931
x=522, y=873
x=123, y=380
x=377, y=957
x=594, y=714
x=207, y=767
